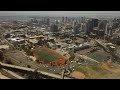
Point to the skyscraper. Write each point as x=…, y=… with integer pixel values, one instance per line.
x=110, y=30
x=76, y=29
x=62, y=19
x=48, y=21
x=40, y=23
x=95, y=22
x=73, y=23
x=66, y=19
x=32, y=20
x=56, y=22
x=115, y=25
x=88, y=27
x=82, y=28
x=35, y=20
x=54, y=28
x=102, y=24
x=79, y=20
x=82, y=19
x=106, y=29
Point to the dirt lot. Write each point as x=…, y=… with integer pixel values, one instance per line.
x=111, y=67
x=78, y=75
x=105, y=70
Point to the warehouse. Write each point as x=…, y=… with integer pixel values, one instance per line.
x=48, y=56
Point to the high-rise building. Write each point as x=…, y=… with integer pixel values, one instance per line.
x=95, y=22
x=44, y=20
x=56, y=22
x=76, y=29
x=108, y=30
x=66, y=19
x=69, y=20
x=102, y=24
x=54, y=28
x=82, y=28
x=62, y=19
x=82, y=19
x=79, y=20
x=110, y=22
x=32, y=20
x=48, y=21
x=118, y=20
x=35, y=20
x=40, y=23
x=115, y=25
x=72, y=19
x=74, y=23
x=88, y=27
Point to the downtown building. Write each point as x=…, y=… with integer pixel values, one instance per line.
x=54, y=28
x=76, y=29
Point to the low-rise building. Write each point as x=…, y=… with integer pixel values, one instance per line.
x=33, y=41
x=5, y=47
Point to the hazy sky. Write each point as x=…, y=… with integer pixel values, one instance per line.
x=60, y=13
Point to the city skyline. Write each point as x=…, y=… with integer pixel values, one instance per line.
x=60, y=13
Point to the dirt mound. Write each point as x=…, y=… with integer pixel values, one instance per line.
x=78, y=75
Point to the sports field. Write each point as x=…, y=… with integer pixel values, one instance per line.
x=46, y=55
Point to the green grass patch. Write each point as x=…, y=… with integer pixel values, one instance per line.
x=96, y=67
x=46, y=55
x=94, y=71
x=80, y=69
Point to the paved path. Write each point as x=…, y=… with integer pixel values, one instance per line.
x=14, y=67
x=3, y=76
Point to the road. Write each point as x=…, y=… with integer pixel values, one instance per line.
x=3, y=76
x=42, y=74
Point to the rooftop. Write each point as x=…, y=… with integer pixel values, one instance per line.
x=4, y=47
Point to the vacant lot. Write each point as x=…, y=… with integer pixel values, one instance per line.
x=104, y=70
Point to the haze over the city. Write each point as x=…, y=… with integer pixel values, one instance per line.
x=60, y=13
